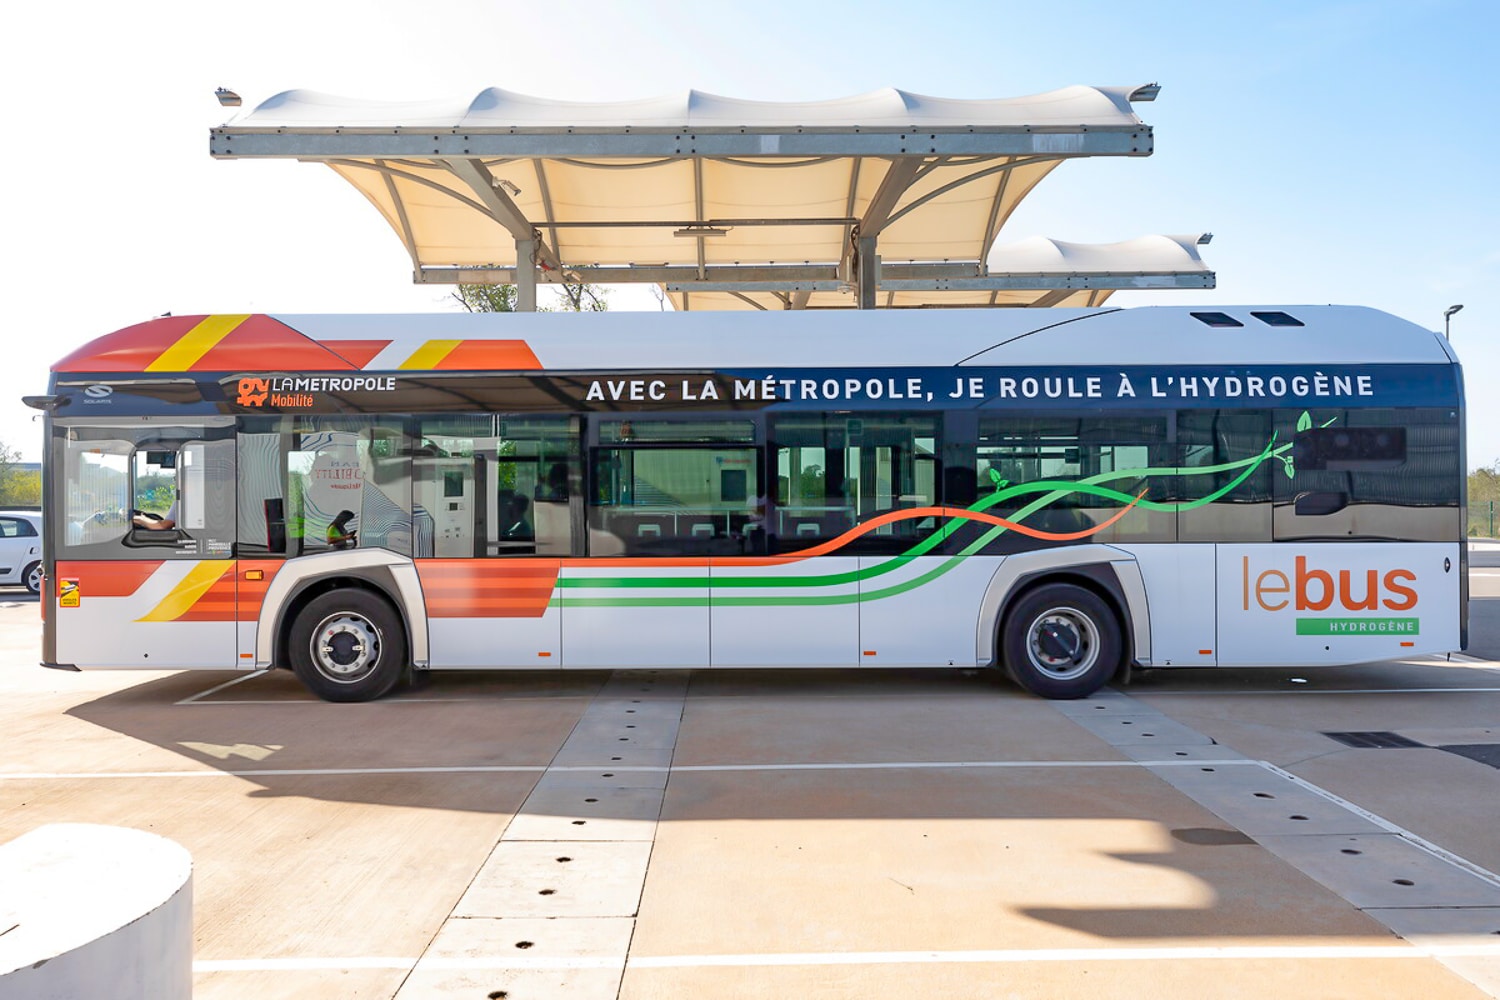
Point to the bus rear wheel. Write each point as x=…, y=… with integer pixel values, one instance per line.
x=348, y=645
x=1061, y=641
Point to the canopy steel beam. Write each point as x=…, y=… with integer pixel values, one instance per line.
x=825, y=278
x=495, y=201
x=231, y=142
x=1066, y=282
x=531, y=249
x=892, y=186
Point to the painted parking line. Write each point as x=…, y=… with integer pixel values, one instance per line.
x=220, y=687
x=1002, y=956
x=910, y=765
x=275, y=772
x=318, y=701
x=1306, y=691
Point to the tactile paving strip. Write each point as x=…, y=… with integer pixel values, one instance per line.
x=1445, y=905
x=551, y=911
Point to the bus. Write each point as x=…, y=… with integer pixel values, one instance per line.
x=1060, y=494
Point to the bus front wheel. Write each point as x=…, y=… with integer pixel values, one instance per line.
x=1061, y=641
x=348, y=645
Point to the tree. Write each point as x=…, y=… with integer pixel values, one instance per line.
x=578, y=297
x=573, y=296
x=1484, y=497
x=18, y=487
x=486, y=298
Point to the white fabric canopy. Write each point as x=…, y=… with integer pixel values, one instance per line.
x=1038, y=271
x=696, y=191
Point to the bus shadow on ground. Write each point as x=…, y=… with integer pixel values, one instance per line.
x=945, y=782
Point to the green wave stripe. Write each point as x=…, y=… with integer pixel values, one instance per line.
x=1053, y=490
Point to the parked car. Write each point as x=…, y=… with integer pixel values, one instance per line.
x=21, y=549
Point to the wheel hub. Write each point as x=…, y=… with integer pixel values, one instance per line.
x=1063, y=643
x=346, y=647
x=1059, y=641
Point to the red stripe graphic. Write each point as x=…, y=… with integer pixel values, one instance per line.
x=107, y=579
x=232, y=597
x=261, y=342
x=470, y=588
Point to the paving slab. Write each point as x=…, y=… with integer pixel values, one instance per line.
x=1148, y=728
x=1383, y=870
x=1168, y=754
x=1105, y=701
x=1261, y=802
x=1465, y=939
x=299, y=984
x=568, y=811
x=588, y=754
x=873, y=861
x=529, y=959
x=776, y=722
x=1162, y=979
x=1443, y=797
x=525, y=879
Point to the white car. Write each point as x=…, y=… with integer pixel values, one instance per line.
x=21, y=549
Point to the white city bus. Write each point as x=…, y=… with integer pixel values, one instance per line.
x=1063, y=494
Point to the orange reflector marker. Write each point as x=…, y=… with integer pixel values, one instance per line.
x=1408, y=644
x=255, y=574
x=1205, y=652
x=544, y=653
x=247, y=656
x=869, y=652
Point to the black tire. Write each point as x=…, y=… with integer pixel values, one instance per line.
x=32, y=577
x=1061, y=641
x=348, y=645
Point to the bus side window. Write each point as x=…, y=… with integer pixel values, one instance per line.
x=688, y=487
x=494, y=485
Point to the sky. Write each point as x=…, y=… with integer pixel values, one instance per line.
x=1339, y=152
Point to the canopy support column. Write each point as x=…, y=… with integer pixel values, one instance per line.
x=526, y=275
x=866, y=270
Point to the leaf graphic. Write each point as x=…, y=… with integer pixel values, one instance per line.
x=996, y=481
x=1288, y=467
x=1304, y=422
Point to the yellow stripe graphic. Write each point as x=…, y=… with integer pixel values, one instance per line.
x=193, y=586
x=198, y=341
x=430, y=353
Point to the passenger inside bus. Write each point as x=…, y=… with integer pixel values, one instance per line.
x=340, y=534
x=513, y=522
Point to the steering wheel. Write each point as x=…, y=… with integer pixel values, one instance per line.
x=148, y=515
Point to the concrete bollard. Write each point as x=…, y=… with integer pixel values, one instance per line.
x=95, y=911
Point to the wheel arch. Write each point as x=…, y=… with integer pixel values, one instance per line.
x=1111, y=573
x=390, y=577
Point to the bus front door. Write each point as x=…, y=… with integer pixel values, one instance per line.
x=143, y=525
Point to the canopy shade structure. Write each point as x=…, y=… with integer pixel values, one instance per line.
x=698, y=192
x=1034, y=273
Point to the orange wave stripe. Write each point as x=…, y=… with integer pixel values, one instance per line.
x=865, y=527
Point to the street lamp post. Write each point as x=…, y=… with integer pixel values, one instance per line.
x=1448, y=315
